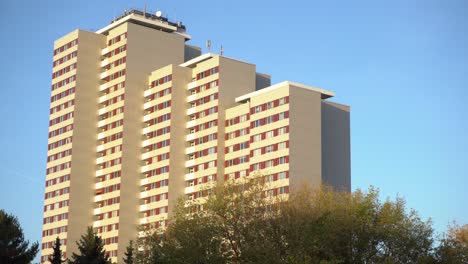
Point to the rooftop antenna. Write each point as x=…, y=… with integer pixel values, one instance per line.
x=158, y=13
x=221, y=51
x=208, y=45
x=144, y=11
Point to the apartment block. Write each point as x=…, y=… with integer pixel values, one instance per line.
x=138, y=119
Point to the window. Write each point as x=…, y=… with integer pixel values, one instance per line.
x=257, y=138
x=269, y=134
x=269, y=149
x=257, y=152
x=281, y=145
x=282, y=175
x=243, y=159
x=282, y=131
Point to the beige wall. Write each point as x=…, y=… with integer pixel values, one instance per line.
x=147, y=50
x=305, y=137
x=336, y=147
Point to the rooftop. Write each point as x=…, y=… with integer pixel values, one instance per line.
x=148, y=19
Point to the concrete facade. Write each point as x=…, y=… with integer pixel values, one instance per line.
x=139, y=119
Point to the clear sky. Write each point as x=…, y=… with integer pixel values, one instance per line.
x=401, y=65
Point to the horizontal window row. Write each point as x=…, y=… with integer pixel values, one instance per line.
x=157, y=171
x=269, y=134
x=202, y=153
x=159, y=94
x=236, y=175
x=64, y=70
x=54, y=231
x=269, y=148
x=201, y=180
x=107, y=215
x=106, y=228
x=160, y=81
x=269, y=163
x=55, y=218
x=109, y=176
x=57, y=180
x=269, y=105
x=56, y=193
x=65, y=58
x=207, y=73
x=66, y=46
x=199, y=194
x=61, y=119
x=158, y=132
x=156, y=185
x=158, y=158
x=203, y=139
x=63, y=106
x=269, y=119
x=113, y=100
x=59, y=167
x=158, y=145
x=59, y=155
x=57, y=205
x=277, y=191
x=63, y=82
x=110, y=151
x=158, y=119
x=114, y=40
x=61, y=130
x=112, y=125
x=237, y=120
x=203, y=166
x=110, y=163
x=111, y=240
x=116, y=63
x=107, y=189
x=158, y=107
x=156, y=225
x=204, y=100
x=237, y=133
x=237, y=147
x=203, y=126
x=112, y=138
x=47, y=245
x=156, y=211
x=204, y=87
x=114, y=88
x=59, y=143
x=236, y=161
x=276, y=176
x=108, y=202
x=206, y=112
x=115, y=75
x=112, y=113
x=116, y=51
x=62, y=94
x=156, y=198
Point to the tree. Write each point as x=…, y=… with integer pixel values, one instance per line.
x=128, y=259
x=240, y=223
x=91, y=250
x=454, y=246
x=13, y=247
x=57, y=255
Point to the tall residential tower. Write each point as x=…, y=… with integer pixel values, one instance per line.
x=138, y=118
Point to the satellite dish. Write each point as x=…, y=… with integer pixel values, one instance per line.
x=158, y=13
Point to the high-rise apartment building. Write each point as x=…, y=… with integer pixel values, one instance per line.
x=138, y=118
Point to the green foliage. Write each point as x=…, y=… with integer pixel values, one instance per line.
x=128, y=259
x=454, y=246
x=57, y=255
x=13, y=247
x=240, y=224
x=91, y=250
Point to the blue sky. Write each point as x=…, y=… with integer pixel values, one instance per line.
x=401, y=65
